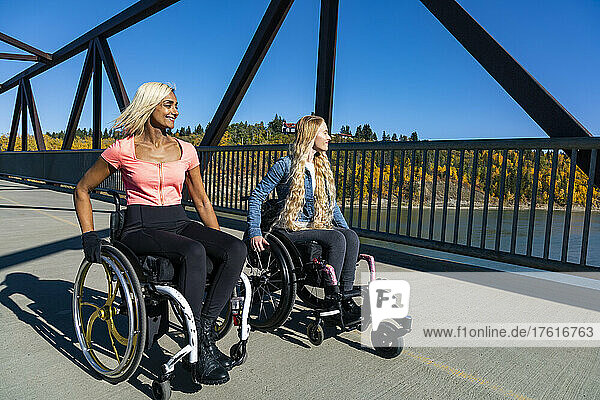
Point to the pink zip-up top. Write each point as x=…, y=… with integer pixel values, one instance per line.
x=147, y=182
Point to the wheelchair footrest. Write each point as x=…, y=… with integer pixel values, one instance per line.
x=352, y=293
x=351, y=325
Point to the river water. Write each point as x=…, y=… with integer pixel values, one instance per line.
x=556, y=231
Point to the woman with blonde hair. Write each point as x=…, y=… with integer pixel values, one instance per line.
x=304, y=179
x=154, y=167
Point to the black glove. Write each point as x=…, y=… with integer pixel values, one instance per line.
x=91, y=247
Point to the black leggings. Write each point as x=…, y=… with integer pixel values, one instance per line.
x=195, y=250
x=340, y=250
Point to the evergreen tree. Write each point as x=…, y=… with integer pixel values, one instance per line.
x=384, y=137
x=367, y=133
x=345, y=130
x=358, y=133
x=276, y=125
x=414, y=137
x=394, y=137
x=188, y=131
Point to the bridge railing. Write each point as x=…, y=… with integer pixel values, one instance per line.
x=522, y=201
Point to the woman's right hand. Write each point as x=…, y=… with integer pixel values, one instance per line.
x=91, y=247
x=258, y=243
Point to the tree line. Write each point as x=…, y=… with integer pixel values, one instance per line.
x=244, y=133
x=239, y=133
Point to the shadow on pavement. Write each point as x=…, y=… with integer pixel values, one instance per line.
x=43, y=250
x=50, y=315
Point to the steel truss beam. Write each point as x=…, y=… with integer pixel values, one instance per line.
x=41, y=56
x=24, y=104
x=82, y=89
x=19, y=57
x=33, y=114
x=112, y=72
x=257, y=49
x=23, y=121
x=326, y=60
x=126, y=18
x=97, y=98
x=535, y=100
x=14, y=126
x=548, y=113
x=98, y=54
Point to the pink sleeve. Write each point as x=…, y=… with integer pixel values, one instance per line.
x=112, y=154
x=193, y=160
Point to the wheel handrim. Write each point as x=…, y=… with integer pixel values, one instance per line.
x=270, y=286
x=107, y=314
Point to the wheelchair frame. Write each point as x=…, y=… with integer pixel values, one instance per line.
x=125, y=276
x=388, y=341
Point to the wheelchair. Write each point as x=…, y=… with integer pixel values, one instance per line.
x=285, y=270
x=131, y=294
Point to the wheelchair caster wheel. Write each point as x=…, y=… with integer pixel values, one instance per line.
x=386, y=340
x=238, y=353
x=161, y=390
x=362, y=326
x=315, y=333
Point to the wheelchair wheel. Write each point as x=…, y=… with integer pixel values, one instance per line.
x=315, y=333
x=387, y=341
x=109, y=315
x=312, y=295
x=161, y=390
x=224, y=322
x=273, y=285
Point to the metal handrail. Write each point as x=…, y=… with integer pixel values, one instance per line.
x=488, y=206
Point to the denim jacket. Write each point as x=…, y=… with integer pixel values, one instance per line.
x=277, y=178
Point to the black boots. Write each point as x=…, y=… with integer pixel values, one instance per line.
x=332, y=295
x=209, y=369
x=350, y=310
x=223, y=359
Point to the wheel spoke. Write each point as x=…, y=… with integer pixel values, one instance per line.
x=274, y=286
x=112, y=289
x=113, y=329
x=90, y=304
x=112, y=342
x=261, y=305
x=269, y=260
x=272, y=302
x=88, y=329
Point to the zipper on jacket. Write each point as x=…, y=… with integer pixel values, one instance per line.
x=160, y=179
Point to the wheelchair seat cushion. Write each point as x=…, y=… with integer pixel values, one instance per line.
x=309, y=250
x=158, y=269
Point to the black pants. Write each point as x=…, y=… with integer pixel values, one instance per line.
x=195, y=250
x=340, y=250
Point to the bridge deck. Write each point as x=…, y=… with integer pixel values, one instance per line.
x=39, y=256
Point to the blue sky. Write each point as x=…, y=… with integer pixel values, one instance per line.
x=397, y=67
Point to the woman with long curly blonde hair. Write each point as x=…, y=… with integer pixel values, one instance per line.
x=304, y=179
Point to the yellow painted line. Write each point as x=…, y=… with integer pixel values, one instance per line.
x=42, y=212
x=466, y=376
